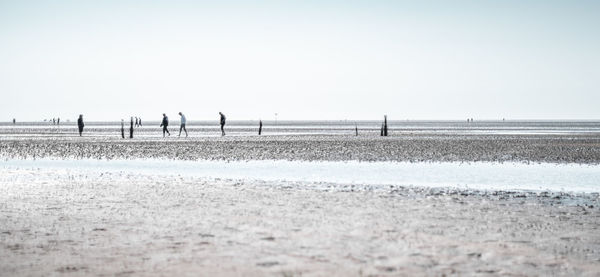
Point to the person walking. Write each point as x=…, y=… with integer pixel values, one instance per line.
x=222, y=124
x=80, y=124
x=182, y=125
x=140, y=122
x=122, y=128
x=165, y=124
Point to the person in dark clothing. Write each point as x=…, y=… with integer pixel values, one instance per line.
x=14, y=121
x=80, y=124
x=222, y=123
x=165, y=124
x=122, y=128
x=140, y=122
x=58, y=121
x=136, y=121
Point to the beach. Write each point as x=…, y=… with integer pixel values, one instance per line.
x=299, y=138
x=208, y=205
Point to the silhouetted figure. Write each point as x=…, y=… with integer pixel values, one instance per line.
x=165, y=124
x=122, y=128
x=58, y=121
x=222, y=123
x=80, y=124
x=140, y=123
x=131, y=128
x=259, y=127
x=182, y=125
x=14, y=121
x=136, y=122
x=356, y=128
x=53, y=121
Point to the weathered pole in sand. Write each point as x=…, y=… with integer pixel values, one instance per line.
x=259, y=127
x=122, y=128
x=131, y=128
x=385, y=128
x=356, y=128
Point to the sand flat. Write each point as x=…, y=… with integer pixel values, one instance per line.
x=118, y=223
x=351, y=213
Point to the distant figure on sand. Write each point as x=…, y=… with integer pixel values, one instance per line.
x=182, y=125
x=58, y=121
x=140, y=122
x=122, y=128
x=165, y=124
x=80, y=124
x=136, y=122
x=53, y=121
x=222, y=123
x=14, y=121
x=259, y=127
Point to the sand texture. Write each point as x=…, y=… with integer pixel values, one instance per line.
x=555, y=149
x=78, y=220
x=62, y=222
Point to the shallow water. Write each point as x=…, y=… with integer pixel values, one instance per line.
x=511, y=176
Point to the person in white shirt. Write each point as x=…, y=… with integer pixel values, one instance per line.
x=182, y=127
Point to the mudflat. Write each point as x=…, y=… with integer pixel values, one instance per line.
x=575, y=148
x=64, y=222
x=75, y=220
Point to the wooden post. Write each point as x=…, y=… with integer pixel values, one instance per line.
x=259, y=127
x=385, y=128
x=356, y=128
x=122, y=128
x=131, y=128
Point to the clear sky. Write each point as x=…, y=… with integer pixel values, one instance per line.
x=300, y=59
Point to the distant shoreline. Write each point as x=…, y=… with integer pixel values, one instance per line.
x=303, y=121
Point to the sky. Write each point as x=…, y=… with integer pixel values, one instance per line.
x=328, y=60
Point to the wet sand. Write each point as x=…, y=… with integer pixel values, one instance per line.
x=450, y=141
x=63, y=222
x=574, y=148
x=70, y=222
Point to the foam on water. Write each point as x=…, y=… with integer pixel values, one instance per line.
x=477, y=175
